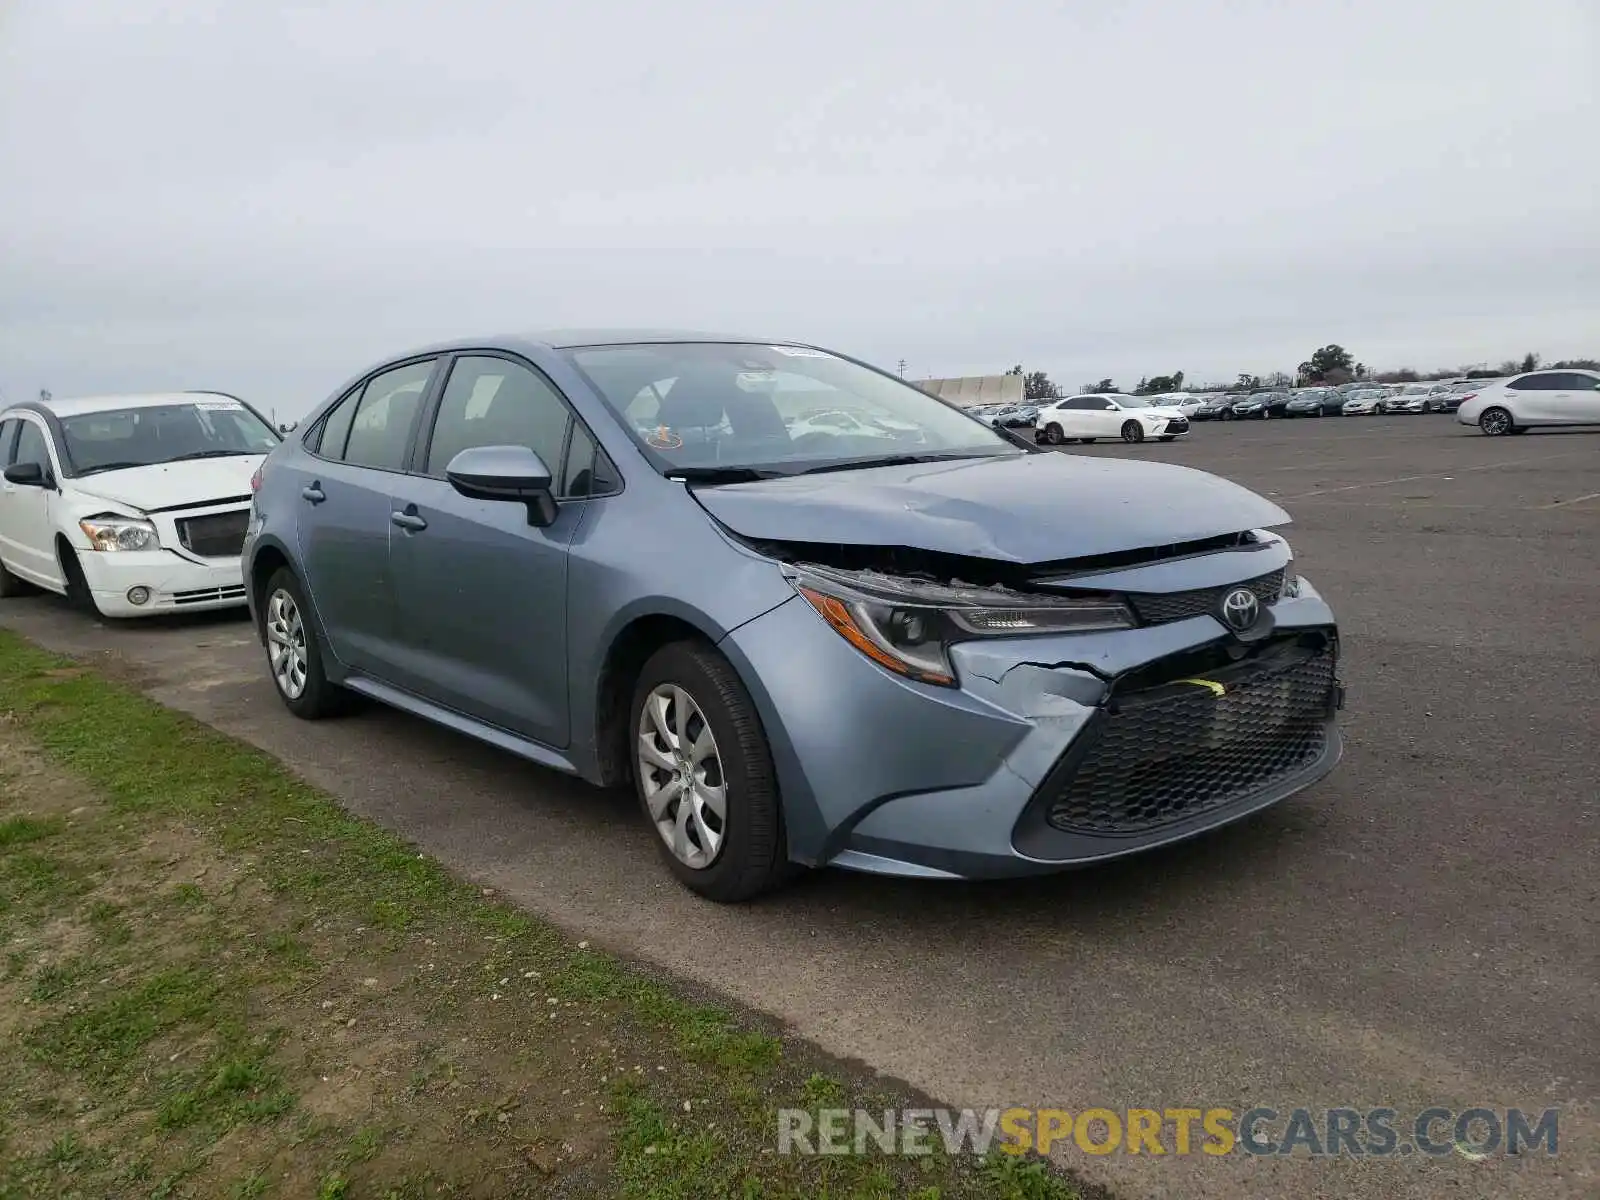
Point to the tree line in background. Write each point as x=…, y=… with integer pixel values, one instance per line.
x=1331, y=364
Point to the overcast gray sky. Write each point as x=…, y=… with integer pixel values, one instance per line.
x=264, y=198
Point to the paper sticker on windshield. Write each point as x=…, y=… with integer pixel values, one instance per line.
x=218, y=405
x=800, y=351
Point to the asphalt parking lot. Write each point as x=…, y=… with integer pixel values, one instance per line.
x=1419, y=929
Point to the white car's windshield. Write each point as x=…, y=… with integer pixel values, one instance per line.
x=1134, y=402
x=709, y=408
x=162, y=433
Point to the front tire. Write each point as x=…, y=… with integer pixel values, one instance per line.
x=1496, y=422
x=1052, y=434
x=77, y=584
x=1132, y=431
x=704, y=776
x=294, y=651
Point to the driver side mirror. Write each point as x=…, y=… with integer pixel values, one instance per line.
x=505, y=473
x=28, y=474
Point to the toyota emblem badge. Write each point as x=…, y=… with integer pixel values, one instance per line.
x=1240, y=608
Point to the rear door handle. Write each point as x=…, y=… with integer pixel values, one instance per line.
x=312, y=493
x=409, y=520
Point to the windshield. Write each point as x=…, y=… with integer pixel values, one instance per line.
x=782, y=409
x=1133, y=402
x=1416, y=389
x=162, y=433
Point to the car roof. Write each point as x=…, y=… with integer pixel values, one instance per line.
x=77, y=405
x=567, y=339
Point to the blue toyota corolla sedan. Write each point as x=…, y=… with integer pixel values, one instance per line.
x=812, y=614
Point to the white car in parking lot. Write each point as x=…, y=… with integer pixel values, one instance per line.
x=1185, y=402
x=1107, y=415
x=1364, y=403
x=129, y=505
x=1564, y=397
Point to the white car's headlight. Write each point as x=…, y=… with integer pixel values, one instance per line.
x=908, y=626
x=111, y=532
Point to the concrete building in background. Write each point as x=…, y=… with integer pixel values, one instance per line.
x=975, y=389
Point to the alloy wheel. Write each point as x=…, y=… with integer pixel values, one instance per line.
x=286, y=644
x=680, y=768
x=1495, y=422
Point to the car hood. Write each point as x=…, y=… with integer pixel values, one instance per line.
x=174, y=485
x=1030, y=508
x=1165, y=410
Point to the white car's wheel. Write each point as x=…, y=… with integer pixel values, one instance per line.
x=1495, y=422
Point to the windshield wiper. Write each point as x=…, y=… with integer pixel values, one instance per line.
x=212, y=454
x=721, y=474
x=110, y=466
x=889, y=460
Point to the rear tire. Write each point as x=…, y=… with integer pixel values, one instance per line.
x=11, y=585
x=1496, y=422
x=694, y=725
x=1132, y=431
x=294, y=651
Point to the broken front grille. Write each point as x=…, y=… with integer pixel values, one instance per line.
x=1186, y=748
x=217, y=535
x=1155, y=608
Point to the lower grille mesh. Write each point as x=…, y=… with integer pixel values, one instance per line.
x=1182, y=750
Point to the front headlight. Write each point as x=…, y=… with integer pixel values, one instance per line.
x=908, y=625
x=112, y=532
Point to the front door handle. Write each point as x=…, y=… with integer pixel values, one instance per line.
x=312, y=493
x=409, y=520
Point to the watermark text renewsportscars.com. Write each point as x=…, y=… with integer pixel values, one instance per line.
x=1361, y=1132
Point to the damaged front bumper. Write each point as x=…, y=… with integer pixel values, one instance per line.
x=1054, y=751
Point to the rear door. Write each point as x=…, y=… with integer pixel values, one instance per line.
x=482, y=593
x=356, y=455
x=1533, y=397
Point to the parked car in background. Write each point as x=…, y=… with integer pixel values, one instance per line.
x=1313, y=402
x=1454, y=393
x=1413, y=398
x=1566, y=397
x=1214, y=408
x=129, y=505
x=1363, y=402
x=1005, y=416
x=1185, y=402
x=795, y=649
x=1262, y=404
x=1108, y=415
